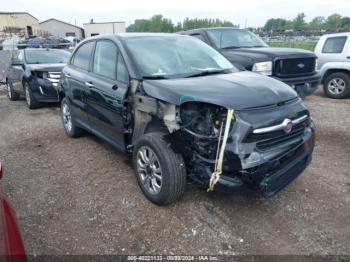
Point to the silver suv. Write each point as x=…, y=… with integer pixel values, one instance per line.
x=333, y=53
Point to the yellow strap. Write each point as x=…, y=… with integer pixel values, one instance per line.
x=218, y=166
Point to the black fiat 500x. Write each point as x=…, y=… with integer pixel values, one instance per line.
x=184, y=112
x=35, y=73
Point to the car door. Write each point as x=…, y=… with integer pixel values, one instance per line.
x=16, y=70
x=108, y=85
x=74, y=77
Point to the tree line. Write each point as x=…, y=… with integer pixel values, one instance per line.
x=158, y=23
x=334, y=22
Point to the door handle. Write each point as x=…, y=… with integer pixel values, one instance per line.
x=348, y=57
x=89, y=84
x=115, y=87
x=67, y=75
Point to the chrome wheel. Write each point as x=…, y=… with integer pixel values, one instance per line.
x=67, y=118
x=27, y=95
x=336, y=86
x=149, y=170
x=8, y=87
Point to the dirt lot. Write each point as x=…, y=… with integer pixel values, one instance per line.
x=80, y=196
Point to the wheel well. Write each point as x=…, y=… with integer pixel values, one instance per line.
x=155, y=125
x=61, y=95
x=331, y=71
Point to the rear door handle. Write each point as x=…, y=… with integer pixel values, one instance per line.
x=67, y=75
x=348, y=57
x=89, y=84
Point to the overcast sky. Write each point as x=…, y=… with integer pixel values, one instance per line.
x=256, y=12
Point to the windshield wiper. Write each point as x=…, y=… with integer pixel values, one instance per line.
x=155, y=77
x=207, y=72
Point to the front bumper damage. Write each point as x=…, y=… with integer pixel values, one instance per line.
x=43, y=90
x=266, y=162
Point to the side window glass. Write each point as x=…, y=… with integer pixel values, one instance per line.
x=20, y=56
x=215, y=37
x=82, y=56
x=105, y=59
x=334, y=45
x=122, y=73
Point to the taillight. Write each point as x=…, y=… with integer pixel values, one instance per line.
x=1, y=172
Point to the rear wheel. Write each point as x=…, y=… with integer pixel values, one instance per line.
x=12, y=95
x=161, y=173
x=337, y=85
x=30, y=100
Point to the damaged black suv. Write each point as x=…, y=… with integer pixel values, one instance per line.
x=184, y=112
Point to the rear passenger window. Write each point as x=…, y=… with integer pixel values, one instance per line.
x=334, y=45
x=122, y=73
x=105, y=59
x=82, y=56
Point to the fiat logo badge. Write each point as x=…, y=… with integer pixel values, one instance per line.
x=287, y=125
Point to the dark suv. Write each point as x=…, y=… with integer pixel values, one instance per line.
x=183, y=111
x=35, y=73
x=247, y=51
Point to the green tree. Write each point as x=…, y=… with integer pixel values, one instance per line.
x=299, y=22
x=275, y=24
x=334, y=21
x=345, y=22
x=317, y=24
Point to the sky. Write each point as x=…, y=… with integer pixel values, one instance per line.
x=252, y=13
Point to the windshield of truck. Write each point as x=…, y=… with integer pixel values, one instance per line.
x=235, y=38
x=175, y=57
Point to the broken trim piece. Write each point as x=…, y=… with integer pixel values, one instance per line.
x=218, y=164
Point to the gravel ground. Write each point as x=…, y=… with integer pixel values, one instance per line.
x=80, y=196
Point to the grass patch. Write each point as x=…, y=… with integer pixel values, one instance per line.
x=302, y=45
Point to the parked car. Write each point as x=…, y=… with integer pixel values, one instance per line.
x=184, y=111
x=295, y=67
x=11, y=244
x=35, y=73
x=333, y=51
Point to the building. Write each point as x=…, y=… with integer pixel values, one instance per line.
x=92, y=29
x=18, y=24
x=61, y=29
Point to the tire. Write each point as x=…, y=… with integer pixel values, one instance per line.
x=170, y=164
x=12, y=95
x=30, y=100
x=68, y=121
x=337, y=85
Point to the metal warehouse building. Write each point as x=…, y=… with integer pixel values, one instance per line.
x=92, y=29
x=62, y=29
x=18, y=23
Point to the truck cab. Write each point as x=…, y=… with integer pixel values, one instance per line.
x=247, y=51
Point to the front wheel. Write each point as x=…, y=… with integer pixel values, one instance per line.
x=30, y=100
x=67, y=119
x=12, y=95
x=161, y=172
x=337, y=85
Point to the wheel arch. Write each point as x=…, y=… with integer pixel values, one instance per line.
x=334, y=70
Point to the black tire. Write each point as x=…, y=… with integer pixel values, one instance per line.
x=336, y=77
x=73, y=131
x=30, y=100
x=172, y=166
x=12, y=95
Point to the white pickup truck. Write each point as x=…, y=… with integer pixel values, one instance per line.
x=333, y=52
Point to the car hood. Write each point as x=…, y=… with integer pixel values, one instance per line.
x=46, y=67
x=268, y=53
x=241, y=90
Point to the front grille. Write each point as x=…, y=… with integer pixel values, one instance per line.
x=54, y=78
x=294, y=66
x=271, y=140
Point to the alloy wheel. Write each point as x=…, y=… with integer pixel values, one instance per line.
x=149, y=170
x=67, y=117
x=336, y=86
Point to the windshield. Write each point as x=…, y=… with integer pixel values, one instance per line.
x=175, y=56
x=228, y=38
x=47, y=56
